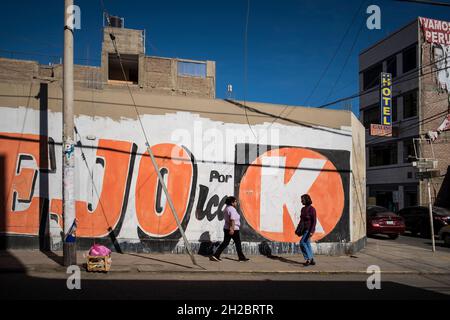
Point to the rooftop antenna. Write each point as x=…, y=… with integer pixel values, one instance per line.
x=229, y=91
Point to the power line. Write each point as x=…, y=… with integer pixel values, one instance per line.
x=330, y=62
x=346, y=60
x=293, y=108
x=397, y=81
x=433, y=3
x=301, y=123
x=155, y=165
x=41, y=54
x=415, y=124
x=336, y=51
x=363, y=93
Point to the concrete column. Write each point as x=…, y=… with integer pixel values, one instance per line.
x=174, y=74
x=141, y=71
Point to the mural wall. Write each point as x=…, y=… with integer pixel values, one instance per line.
x=120, y=201
x=435, y=102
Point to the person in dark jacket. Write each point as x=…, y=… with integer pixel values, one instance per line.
x=308, y=219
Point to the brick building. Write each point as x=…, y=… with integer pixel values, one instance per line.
x=418, y=64
x=146, y=74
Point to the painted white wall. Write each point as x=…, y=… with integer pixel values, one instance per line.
x=209, y=141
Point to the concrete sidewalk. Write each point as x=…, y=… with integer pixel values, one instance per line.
x=389, y=256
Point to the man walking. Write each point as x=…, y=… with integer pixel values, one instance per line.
x=231, y=230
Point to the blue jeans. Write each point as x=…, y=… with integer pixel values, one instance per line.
x=305, y=245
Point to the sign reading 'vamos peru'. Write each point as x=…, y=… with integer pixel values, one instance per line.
x=435, y=31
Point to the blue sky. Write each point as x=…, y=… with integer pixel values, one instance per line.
x=289, y=42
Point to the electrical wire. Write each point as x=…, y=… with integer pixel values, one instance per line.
x=346, y=61
x=113, y=40
x=338, y=49
x=324, y=72
x=246, y=66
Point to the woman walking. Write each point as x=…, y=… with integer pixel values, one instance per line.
x=231, y=230
x=308, y=220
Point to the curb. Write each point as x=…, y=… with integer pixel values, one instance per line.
x=120, y=269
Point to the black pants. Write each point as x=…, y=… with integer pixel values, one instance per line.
x=226, y=241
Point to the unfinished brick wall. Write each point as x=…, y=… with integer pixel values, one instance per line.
x=17, y=70
x=200, y=87
x=161, y=77
x=128, y=41
x=88, y=77
x=158, y=73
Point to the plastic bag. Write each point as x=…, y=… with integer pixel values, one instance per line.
x=99, y=250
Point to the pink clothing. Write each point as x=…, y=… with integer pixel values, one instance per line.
x=230, y=213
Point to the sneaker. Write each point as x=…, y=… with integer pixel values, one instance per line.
x=243, y=259
x=214, y=258
x=312, y=262
x=307, y=263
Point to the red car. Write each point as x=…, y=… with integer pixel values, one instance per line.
x=382, y=221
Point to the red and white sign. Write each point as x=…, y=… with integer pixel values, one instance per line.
x=270, y=193
x=380, y=130
x=435, y=31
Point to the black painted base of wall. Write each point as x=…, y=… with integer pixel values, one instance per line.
x=175, y=246
x=19, y=242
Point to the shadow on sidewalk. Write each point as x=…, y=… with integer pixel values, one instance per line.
x=48, y=288
x=232, y=259
x=282, y=259
x=158, y=260
x=437, y=243
x=381, y=237
x=53, y=256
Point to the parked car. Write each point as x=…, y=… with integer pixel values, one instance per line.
x=444, y=234
x=417, y=219
x=382, y=221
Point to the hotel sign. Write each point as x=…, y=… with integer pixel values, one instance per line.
x=386, y=99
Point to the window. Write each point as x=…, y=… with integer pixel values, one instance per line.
x=371, y=115
x=391, y=66
x=409, y=59
x=371, y=77
x=130, y=64
x=410, y=104
x=408, y=150
x=410, y=196
x=192, y=69
x=382, y=155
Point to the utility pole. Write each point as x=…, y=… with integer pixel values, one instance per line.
x=427, y=170
x=69, y=245
x=430, y=211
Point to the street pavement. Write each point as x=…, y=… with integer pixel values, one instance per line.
x=407, y=271
x=249, y=287
x=418, y=241
x=391, y=256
